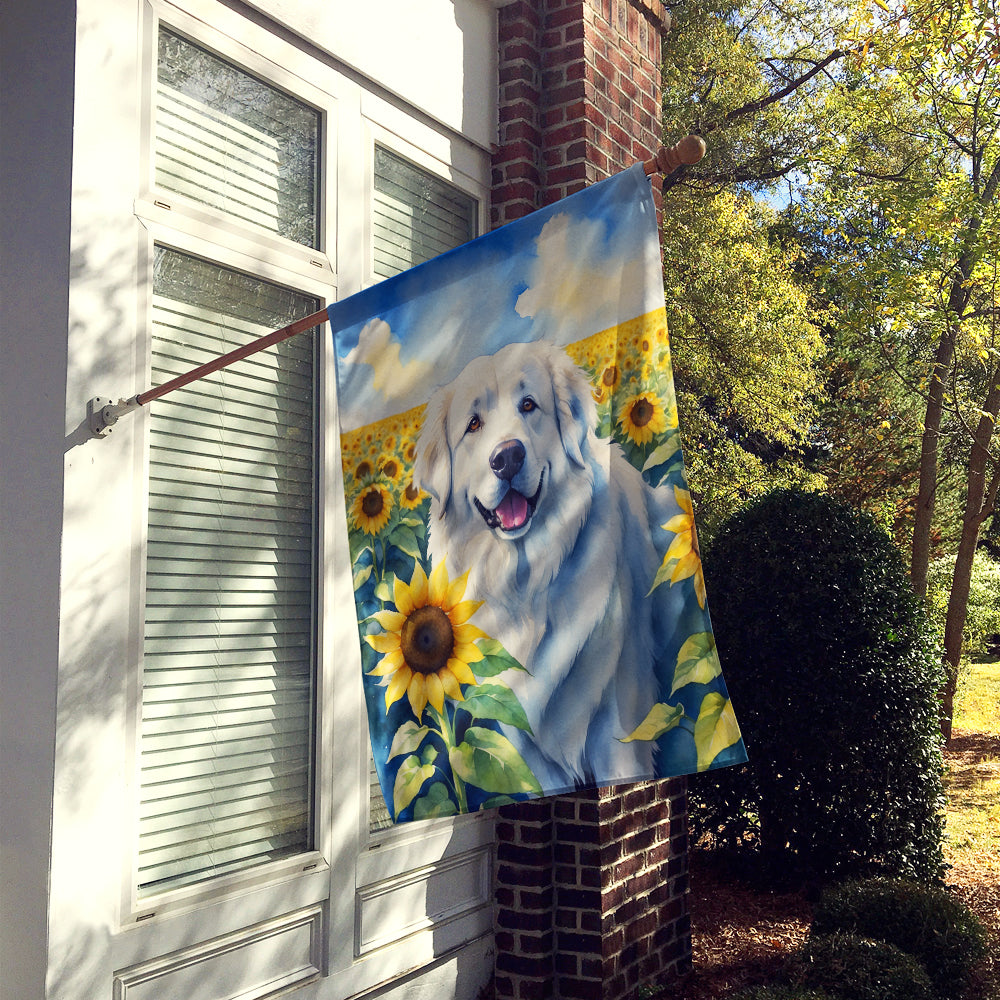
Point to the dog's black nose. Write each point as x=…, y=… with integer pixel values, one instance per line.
x=507, y=459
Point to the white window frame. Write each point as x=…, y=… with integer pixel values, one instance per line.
x=352, y=875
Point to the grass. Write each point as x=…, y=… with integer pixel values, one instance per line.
x=973, y=785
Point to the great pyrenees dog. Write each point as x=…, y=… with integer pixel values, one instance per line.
x=553, y=525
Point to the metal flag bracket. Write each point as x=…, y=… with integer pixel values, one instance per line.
x=103, y=413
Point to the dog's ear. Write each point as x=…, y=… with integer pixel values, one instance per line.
x=432, y=463
x=576, y=412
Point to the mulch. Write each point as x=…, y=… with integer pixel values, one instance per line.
x=742, y=934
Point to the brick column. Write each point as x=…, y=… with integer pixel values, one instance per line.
x=591, y=889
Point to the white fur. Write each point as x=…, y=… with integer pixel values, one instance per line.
x=566, y=591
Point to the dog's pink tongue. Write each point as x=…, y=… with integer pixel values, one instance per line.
x=512, y=510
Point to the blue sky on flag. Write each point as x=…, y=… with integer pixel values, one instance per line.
x=541, y=277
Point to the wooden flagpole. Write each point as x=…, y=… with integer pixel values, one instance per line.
x=102, y=413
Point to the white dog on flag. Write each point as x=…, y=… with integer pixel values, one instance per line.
x=553, y=526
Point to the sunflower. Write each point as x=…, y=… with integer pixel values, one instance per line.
x=428, y=642
x=371, y=508
x=642, y=417
x=684, y=548
x=391, y=469
x=412, y=496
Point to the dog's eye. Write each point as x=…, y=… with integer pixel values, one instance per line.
x=527, y=405
x=474, y=424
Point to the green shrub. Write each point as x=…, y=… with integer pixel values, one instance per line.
x=856, y=968
x=834, y=673
x=782, y=993
x=925, y=922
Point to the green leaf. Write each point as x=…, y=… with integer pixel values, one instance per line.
x=384, y=592
x=361, y=576
x=661, y=719
x=407, y=739
x=409, y=779
x=435, y=802
x=489, y=761
x=662, y=574
x=495, y=659
x=405, y=540
x=495, y=701
x=715, y=729
x=697, y=661
x=494, y=801
x=663, y=453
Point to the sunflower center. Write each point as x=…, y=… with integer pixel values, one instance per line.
x=372, y=503
x=411, y=493
x=641, y=412
x=390, y=468
x=427, y=639
x=610, y=375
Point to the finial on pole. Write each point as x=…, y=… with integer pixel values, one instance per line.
x=668, y=158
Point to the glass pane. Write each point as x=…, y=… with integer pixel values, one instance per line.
x=228, y=678
x=231, y=141
x=416, y=215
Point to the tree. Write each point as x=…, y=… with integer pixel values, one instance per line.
x=913, y=183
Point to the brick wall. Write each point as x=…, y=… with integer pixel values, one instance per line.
x=591, y=889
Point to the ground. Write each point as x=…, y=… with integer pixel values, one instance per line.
x=742, y=935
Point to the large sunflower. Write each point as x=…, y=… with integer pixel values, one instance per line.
x=684, y=548
x=428, y=642
x=642, y=417
x=371, y=508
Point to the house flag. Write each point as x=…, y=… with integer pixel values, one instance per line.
x=530, y=600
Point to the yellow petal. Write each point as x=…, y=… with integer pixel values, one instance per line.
x=417, y=693
x=451, y=686
x=678, y=523
x=389, y=663
x=391, y=621
x=397, y=686
x=462, y=611
x=685, y=568
x=461, y=671
x=679, y=547
x=435, y=691
x=699, y=588
x=467, y=652
x=438, y=585
x=383, y=642
x=413, y=596
x=456, y=591
x=467, y=632
x=683, y=498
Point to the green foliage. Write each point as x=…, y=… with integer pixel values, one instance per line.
x=924, y=921
x=781, y=992
x=857, y=968
x=747, y=355
x=833, y=673
x=983, y=612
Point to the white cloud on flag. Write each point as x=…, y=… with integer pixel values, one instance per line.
x=389, y=376
x=580, y=285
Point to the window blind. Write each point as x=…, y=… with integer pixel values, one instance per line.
x=228, y=140
x=228, y=654
x=415, y=217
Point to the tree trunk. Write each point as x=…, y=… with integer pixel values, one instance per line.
x=979, y=500
x=920, y=553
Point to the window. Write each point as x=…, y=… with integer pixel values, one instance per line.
x=416, y=216
x=228, y=689
x=229, y=646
